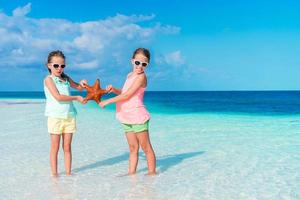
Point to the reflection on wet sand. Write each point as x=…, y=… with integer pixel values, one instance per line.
x=20, y=102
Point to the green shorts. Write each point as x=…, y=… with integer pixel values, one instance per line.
x=136, y=128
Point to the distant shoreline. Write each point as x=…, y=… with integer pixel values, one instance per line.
x=154, y=91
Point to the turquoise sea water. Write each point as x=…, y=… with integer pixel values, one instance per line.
x=209, y=145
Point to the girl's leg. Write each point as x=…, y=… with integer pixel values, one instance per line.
x=67, y=140
x=55, y=139
x=144, y=141
x=133, y=152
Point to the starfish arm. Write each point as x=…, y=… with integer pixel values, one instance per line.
x=89, y=96
x=97, y=101
x=96, y=86
x=89, y=89
x=98, y=80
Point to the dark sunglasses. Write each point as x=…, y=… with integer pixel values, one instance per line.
x=144, y=64
x=56, y=66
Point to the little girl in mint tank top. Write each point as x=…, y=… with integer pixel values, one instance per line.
x=132, y=113
x=55, y=108
x=60, y=110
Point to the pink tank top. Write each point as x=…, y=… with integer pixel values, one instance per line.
x=132, y=111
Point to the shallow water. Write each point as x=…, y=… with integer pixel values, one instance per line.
x=199, y=156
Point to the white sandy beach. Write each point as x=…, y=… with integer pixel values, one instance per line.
x=207, y=156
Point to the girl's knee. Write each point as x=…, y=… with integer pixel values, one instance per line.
x=146, y=148
x=67, y=148
x=133, y=148
x=54, y=148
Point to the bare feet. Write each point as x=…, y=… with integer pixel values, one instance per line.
x=131, y=173
x=151, y=174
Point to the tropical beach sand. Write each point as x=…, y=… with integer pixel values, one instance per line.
x=199, y=156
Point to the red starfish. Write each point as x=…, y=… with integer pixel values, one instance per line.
x=94, y=92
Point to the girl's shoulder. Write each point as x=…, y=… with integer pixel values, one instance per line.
x=142, y=76
x=48, y=81
x=47, y=77
x=56, y=80
x=141, y=79
x=129, y=75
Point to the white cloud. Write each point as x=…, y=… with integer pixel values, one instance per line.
x=168, y=67
x=26, y=41
x=88, y=65
x=22, y=11
x=173, y=59
x=17, y=52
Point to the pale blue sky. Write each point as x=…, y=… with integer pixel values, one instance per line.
x=195, y=45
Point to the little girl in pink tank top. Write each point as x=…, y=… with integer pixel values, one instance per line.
x=133, y=110
x=132, y=113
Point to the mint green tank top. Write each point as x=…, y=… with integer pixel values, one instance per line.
x=54, y=108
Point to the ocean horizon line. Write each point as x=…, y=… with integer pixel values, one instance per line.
x=275, y=90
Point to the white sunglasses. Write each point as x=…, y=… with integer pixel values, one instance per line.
x=144, y=64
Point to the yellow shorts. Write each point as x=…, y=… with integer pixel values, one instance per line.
x=60, y=126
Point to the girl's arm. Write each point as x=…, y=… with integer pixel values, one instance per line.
x=110, y=88
x=117, y=91
x=139, y=82
x=60, y=97
x=78, y=86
